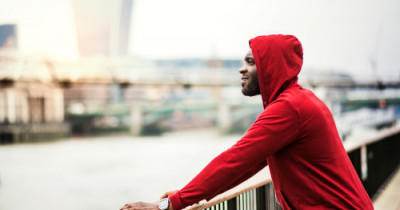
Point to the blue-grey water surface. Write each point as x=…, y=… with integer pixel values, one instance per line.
x=103, y=173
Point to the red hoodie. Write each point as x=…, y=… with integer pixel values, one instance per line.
x=295, y=135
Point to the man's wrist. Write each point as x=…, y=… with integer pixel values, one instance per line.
x=165, y=204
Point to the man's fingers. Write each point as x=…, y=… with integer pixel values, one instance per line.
x=164, y=195
x=140, y=206
x=168, y=194
x=126, y=206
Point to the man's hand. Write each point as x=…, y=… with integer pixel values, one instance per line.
x=167, y=194
x=147, y=206
x=139, y=206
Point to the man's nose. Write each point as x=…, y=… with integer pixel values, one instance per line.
x=243, y=69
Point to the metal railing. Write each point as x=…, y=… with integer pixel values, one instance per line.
x=374, y=159
x=245, y=197
x=262, y=197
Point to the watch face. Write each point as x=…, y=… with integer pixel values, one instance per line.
x=163, y=204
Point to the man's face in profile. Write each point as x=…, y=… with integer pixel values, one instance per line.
x=250, y=86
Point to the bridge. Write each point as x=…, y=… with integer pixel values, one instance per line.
x=227, y=117
x=236, y=115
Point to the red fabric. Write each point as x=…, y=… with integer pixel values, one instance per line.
x=295, y=135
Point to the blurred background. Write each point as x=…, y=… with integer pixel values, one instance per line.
x=104, y=102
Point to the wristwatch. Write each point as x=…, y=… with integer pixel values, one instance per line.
x=163, y=204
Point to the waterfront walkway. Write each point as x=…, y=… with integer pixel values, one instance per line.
x=389, y=198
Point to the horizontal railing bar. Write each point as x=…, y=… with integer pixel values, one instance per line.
x=384, y=133
x=253, y=183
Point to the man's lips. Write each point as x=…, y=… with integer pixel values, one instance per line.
x=244, y=81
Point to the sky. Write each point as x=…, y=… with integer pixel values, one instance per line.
x=361, y=38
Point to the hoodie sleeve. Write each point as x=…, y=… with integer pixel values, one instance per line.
x=275, y=128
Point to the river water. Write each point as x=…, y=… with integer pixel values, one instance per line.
x=103, y=173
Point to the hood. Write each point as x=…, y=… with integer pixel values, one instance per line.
x=278, y=60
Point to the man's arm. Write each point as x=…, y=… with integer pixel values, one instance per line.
x=225, y=184
x=274, y=129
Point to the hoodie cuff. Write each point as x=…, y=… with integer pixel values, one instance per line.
x=176, y=201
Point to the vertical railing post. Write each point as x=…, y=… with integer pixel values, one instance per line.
x=271, y=198
x=261, y=198
x=232, y=204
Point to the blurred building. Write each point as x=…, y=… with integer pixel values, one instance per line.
x=94, y=94
x=8, y=36
x=31, y=103
x=103, y=26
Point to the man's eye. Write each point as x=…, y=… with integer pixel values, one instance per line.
x=250, y=61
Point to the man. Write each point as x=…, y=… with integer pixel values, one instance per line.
x=295, y=136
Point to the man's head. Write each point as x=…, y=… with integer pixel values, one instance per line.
x=277, y=59
x=250, y=86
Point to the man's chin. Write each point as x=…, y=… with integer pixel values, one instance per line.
x=244, y=92
x=248, y=92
